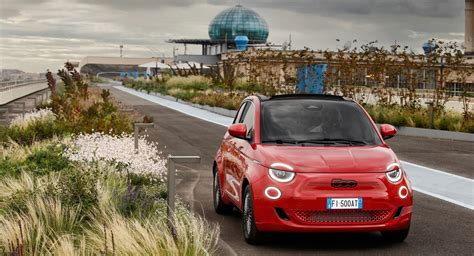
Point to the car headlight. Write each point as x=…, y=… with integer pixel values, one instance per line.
x=281, y=176
x=394, y=173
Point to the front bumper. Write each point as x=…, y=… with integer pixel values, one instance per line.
x=302, y=205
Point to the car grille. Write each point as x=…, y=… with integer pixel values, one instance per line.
x=356, y=216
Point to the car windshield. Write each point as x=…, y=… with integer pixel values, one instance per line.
x=316, y=121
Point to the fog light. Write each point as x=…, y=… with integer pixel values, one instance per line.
x=403, y=192
x=273, y=193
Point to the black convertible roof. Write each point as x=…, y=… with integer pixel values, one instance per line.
x=308, y=96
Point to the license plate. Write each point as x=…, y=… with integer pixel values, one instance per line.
x=344, y=203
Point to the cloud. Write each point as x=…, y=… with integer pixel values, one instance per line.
x=142, y=4
x=6, y=13
x=428, y=8
x=40, y=34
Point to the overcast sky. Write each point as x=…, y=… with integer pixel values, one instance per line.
x=39, y=34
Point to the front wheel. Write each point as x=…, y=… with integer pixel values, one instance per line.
x=251, y=234
x=396, y=236
x=219, y=206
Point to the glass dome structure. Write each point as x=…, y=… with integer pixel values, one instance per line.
x=238, y=21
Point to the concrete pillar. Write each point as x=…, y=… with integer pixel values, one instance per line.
x=469, y=28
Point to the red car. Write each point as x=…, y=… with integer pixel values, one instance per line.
x=311, y=163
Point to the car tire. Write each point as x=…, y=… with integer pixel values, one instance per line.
x=251, y=233
x=219, y=206
x=396, y=236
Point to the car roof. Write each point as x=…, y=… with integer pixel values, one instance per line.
x=305, y=96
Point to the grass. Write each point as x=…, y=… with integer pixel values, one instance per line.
x=52, y=204
x=40, y=157
x=35, y=131
x=196, y=89
x=419, y=117
x=196, y=83
x=90, y=209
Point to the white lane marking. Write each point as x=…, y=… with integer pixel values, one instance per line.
x=445, y=186
x=437, y=171
x=468, y=206
x=459, y=190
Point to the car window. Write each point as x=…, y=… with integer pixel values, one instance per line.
x=248, y=118
x=239, y=113
x=241, y=119
x=325, y=121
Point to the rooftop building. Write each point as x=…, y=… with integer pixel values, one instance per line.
x=238, y=21
x=231, y=23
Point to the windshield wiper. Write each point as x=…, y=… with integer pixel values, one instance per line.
x=281, y=141
x=322, y=142
x=346, y=141
x=325, y=141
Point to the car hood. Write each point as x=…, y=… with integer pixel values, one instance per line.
x=327, y=159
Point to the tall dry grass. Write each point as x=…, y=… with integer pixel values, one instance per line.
x=40, y=227
x=189, y=82
x=47, y=227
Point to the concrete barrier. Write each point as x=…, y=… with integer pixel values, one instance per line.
x=14, y=93
x=435, y=134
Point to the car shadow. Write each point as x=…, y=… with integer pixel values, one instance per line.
x=323, y=241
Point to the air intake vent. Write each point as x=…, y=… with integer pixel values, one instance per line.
x=281, y=213
x=355, y=216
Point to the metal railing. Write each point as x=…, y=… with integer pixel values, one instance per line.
x=8, y=85
x=137, y=126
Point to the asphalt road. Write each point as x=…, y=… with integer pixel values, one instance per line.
x=456, y=157
x=438, y=227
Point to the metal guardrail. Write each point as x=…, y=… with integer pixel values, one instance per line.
x=8, y=85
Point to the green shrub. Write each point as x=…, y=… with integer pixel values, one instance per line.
x=219, y=100
x=251, y=88
x=419, y=117
x=40, y=158
x=181, y=94
x=36, y=131
x=9, y=167
x=46, y=160
x=78, y=186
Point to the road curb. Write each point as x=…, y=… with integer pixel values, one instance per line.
x=402, y=130
x=216, y=110
x=435, y=134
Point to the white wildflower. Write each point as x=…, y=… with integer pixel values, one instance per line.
x=33, y=116
x=119, y=150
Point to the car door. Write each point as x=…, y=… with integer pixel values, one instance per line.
x=241, y=151
x=229, y=153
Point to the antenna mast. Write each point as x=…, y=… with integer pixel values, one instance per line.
x=289, y=42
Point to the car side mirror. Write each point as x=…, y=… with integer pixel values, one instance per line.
x=387, y=131
x=238, y=131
